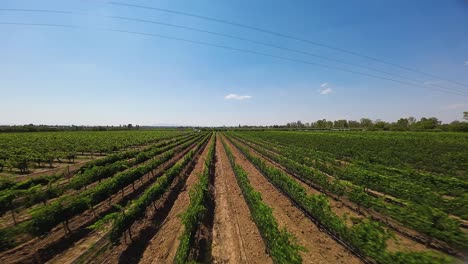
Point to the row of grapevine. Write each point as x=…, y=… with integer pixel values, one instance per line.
x=40, y=189
x=366, y=237
x=46, y=217
x=418, y=187
x=442, y=154
x=98, y=172
x=441, y=184
x=427, y=220
x=196, y=211
x=280, y=243
x=133, y=152
x=17, y=197
x=137, y=208
x=25, y=150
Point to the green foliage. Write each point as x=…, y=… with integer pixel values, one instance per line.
x=23, y=151
x=136, y=209
x=6, y=239
x=41, y=189
x=367, y=237
x=413, y=213
x=414, y=258
x=196, y=210
x=281, y=245
x=44, y=218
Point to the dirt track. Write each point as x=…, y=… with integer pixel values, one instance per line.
x=236, y=238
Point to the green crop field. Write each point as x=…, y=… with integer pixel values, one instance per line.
x=384, y=197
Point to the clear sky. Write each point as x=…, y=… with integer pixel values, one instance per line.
x=88, y=76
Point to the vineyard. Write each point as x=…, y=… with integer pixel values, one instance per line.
x=191, y=196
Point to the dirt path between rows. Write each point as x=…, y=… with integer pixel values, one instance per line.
x=236, y=238
x=163, y=246
x=320, y=248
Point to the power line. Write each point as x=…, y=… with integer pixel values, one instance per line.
x=232, y=37
x=288, y=37
x=223, y=47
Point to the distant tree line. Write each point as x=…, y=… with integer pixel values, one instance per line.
x=402, y=124
x=47, y=128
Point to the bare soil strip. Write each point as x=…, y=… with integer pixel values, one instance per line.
x=236, y=238
x=320, y=248
x=405, y=238
x=39, y=250
x=163, y=246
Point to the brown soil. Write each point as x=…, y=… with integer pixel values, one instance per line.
x=163, y=246
x=40, y=250
x=56, y=169
x=320, y=248
x=236, y=238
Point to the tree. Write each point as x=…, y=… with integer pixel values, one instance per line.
x=457, y=126
x=354, y=124
x=427, y=123
x=465, y=115
x=321, y=123
x=366, y=122
x=129, y=126
x=401, y=124
x=381, y=125
x=342, y=123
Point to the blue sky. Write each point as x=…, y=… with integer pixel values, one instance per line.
x=94, y=77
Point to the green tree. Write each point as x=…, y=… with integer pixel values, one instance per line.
x=366, y=123
x=342, y=123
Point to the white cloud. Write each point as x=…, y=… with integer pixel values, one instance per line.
x=237, y=97
x=323, y=85
x=326, y=91
x=466, y=63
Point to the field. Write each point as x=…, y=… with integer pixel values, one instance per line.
x=233, y=196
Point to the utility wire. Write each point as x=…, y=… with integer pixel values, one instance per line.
x=288, y=37
x=232, y=37
x=222, y=47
